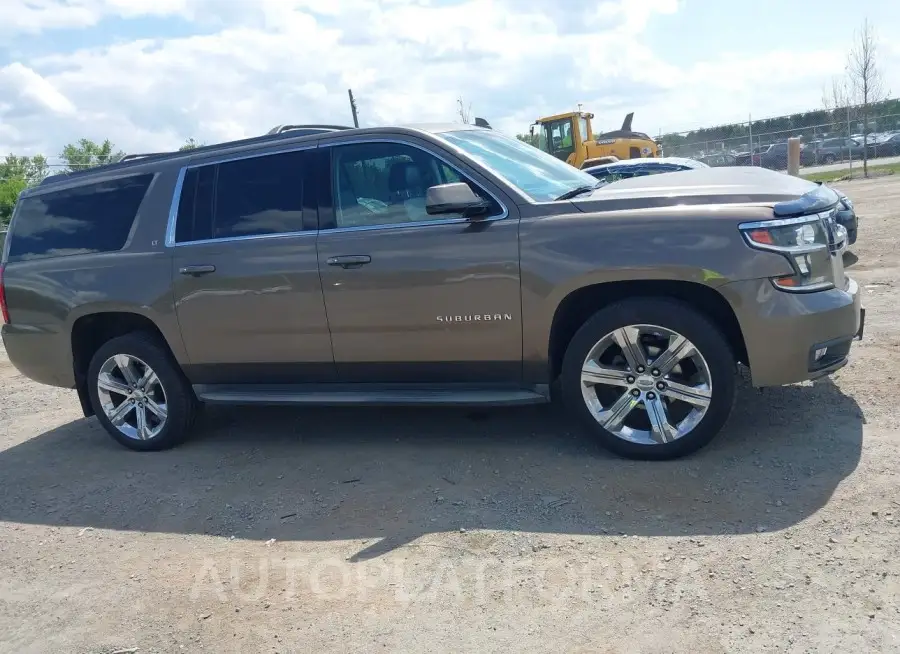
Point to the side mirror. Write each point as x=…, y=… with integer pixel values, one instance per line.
x=454, y=198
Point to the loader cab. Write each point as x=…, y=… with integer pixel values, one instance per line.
x=570, y=137
x=563, y=135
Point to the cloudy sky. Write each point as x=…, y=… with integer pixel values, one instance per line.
x=150, y=73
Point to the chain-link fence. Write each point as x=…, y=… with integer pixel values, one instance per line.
x=827, y=138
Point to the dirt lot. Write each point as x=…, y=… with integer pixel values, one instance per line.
x=433, y=530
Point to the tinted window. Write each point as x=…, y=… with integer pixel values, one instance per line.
x=248, y=197
x=83, y=220
x=195, y=210
x=386, y=183
x=257, y=196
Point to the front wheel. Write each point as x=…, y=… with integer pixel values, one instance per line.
x=651, y=378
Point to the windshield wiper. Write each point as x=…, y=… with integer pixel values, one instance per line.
x=578, y=190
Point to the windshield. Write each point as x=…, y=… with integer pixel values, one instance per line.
x=537, y=174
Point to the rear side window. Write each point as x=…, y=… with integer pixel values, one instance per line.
x=83, y=220
x=249, y=197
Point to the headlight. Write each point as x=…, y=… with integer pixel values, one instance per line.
x=802, y=241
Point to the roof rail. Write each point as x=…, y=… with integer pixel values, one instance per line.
x=130, y=157
x=312, y=129
x=285, y=132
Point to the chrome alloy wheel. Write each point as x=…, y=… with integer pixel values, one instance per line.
x=132, y=397
x=646, y=384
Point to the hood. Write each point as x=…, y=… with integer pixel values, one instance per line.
x=726, y=185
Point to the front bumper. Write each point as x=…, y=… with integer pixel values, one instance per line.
x=782, y=331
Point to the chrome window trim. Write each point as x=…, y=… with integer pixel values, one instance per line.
x=419, y=223
x=214, y=161
x=173, y=207
x=251, y=237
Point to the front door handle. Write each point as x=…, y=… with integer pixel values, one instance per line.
x=349, y=260
x=196, y=271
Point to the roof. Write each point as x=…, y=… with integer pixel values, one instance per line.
x=568, y=114
x=297, y=134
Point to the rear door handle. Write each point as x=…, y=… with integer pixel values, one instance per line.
x=196, y=271
x=349, y=260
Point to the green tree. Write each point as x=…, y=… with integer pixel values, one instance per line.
x=16, y=174
x=191, y=144
x=9, y=193
x=87, y=154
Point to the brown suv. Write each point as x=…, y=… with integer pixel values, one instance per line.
x=421, y=265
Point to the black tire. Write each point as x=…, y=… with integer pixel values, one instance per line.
x=181, y=403
x=678, y=317
x=828, y=159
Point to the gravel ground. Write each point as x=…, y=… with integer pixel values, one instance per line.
x=437, y=530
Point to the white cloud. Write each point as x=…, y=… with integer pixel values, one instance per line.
x=257, y=64
x=28, y=93
x=34, y=16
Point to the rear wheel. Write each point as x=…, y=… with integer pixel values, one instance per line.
x=652, y=378
x=139, y=394
x=828, y=159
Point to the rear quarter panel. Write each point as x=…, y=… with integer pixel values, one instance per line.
x=47, y=296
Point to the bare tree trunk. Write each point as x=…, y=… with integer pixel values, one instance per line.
x=865, y=77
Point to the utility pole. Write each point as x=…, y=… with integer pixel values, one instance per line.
x=353, y=108
x=750, y=129
x=849, y=131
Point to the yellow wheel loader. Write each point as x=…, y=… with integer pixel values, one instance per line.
x=569, y=137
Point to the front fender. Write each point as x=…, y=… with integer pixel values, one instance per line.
x=563, y=253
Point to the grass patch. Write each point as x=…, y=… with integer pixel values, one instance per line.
x=855, y=173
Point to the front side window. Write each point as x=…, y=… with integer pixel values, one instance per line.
x=560, y=138
x=83, y=220
x=537, y=174
x=257, y=196
x=386, y=183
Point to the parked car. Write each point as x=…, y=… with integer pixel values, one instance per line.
x=775, y=156
x=638, y=167
x=747, y=159
x=719, y=159
x=443, y=265
x=887, y=146
x=830, y=151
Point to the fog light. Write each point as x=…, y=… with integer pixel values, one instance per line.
x=820, y=353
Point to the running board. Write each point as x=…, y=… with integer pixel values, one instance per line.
x=366, y=394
